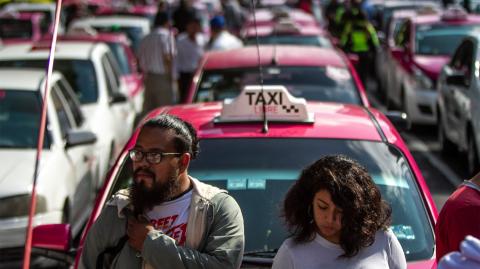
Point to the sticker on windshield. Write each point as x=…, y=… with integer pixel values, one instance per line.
x=336, y=73
x=403, y=232
x=257, y=184
x=237, y=184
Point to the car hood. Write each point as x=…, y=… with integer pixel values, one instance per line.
x=431, y=65
x=16, y=170
x=426, y=264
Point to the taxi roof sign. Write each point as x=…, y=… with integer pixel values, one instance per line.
x=280, y=106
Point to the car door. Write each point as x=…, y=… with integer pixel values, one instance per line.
x=456, y=95
x=81, y=158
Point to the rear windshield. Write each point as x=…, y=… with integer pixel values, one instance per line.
x=327, y=84
x=317, y=41
x=441, y=39
x=13, y=28
x=79, y=73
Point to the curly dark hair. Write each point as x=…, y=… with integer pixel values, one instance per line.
x=352, y=189
x=186, y=139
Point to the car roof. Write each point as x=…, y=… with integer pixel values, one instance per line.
x=64, y=50
x=332, y=120
x=31, y=79
x=282, y=55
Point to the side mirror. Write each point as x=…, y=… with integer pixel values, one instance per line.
x=53, y=241
x=456, y=79
x=118, y=97
x=77, y=138
x=399, y=120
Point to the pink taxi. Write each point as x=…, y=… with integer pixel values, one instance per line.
x=258, y=167
x=423, y=45
x=320, y=74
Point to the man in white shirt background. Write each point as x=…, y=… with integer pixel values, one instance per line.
x=155, y=56
x=221, y=39
x=191, y=47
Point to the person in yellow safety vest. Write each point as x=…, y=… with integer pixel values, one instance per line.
x=359, y=37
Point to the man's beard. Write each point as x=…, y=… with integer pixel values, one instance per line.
x=144, y=199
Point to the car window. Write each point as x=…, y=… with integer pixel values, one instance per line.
x=317, y=41
x=108, y=73
x=72, y=101
x=20, y=119
x=14, y=28
x=328, y=84
x=258, y=172
x=121, y=57
x=80, y=74
x=116, y=72
x=441, y=39
x=62, y=112
x=402, y=37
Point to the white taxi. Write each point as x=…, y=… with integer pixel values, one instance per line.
x=67, y=168
x=94, y=75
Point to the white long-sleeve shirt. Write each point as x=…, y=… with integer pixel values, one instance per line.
x=385, y=253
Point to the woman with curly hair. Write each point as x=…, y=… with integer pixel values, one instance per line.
x=337, y=219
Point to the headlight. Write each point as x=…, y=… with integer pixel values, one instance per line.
x=17, y=206
x=423, y=80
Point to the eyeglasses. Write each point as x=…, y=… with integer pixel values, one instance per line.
x=151, y=157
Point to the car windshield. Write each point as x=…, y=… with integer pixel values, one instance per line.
x=258, y=172
x=79, y=73
x=441, y=39
x=14, y=28
x=317, y=41
x=20, y=119
x=121, y=57
x=134, y=34
x=328, y=84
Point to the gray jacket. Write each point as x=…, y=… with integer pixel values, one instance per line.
x=214, y=238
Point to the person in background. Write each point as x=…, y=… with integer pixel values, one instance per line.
x=233, y=14
x=359, y=37
x=191, y=47
x=467, y=258
x=220, y=38
x=337, y=219
x=155, y=57
x=459, y=217
x=182, y=14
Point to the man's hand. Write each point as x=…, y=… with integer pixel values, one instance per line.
x=137, y=231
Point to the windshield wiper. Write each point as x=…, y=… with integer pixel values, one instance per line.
x=263, y=257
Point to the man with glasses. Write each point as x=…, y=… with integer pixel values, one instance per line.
x=166, y=219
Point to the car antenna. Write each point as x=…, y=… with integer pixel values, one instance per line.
x=41, y=136
x=264, y=105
